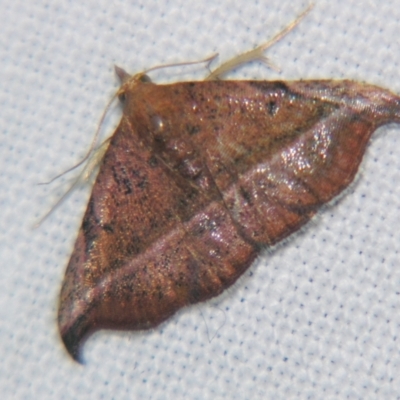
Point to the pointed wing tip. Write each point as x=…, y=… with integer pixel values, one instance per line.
x=73, y=334
x=74, y=324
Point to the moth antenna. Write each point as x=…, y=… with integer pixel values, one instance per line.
x=92, y=146
x=270, y=64
x=91, y=155
x=257, y=53
x=205, y=60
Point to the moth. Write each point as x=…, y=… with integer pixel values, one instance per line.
x=198, y=178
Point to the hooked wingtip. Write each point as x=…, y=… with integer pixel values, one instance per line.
x=72, y=344
x=74, y=332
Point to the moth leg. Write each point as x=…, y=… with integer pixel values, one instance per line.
x=257, y=53
x=85, y=175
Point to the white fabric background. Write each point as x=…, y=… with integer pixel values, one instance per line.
x=317, y=318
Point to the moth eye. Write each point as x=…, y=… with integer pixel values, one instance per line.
x=122, y=97
x=145, y=79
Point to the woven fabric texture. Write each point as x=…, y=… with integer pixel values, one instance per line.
x=318, y=317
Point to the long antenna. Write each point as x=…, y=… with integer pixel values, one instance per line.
x=257, y=53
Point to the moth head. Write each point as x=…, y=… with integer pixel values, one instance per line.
x=127, y=80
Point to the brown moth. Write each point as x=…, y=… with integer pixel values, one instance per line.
x=197, y=179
